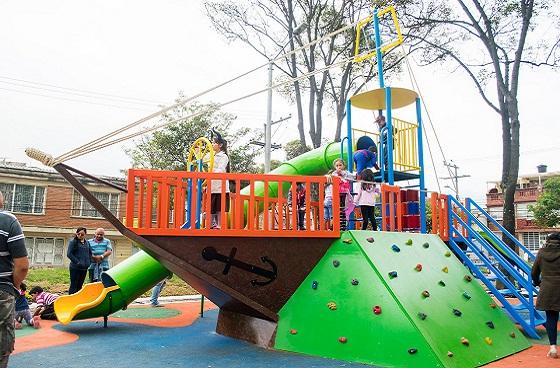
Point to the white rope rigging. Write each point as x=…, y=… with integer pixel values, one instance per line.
x=105, y=141
x=416, y=86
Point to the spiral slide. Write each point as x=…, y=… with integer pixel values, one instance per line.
x=131, y=278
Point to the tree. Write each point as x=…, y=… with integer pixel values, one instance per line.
x=294, y=149
x=268, y=27
x=547, y=208
x=490, y=42
x=168, y=148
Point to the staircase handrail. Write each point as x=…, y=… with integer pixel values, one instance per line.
x=519, y=262
x=526, y=283
x=503, y=230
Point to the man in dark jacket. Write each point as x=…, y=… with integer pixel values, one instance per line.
x=14, y=265
x=79, y=253
x=546, y=273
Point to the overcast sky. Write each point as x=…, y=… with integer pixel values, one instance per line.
x=116, y=61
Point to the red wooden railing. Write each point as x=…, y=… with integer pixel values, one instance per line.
x=156, y=204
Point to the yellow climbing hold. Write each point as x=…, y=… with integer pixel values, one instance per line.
x=348, y=240
x=331, y=305
x=445, y=269
x=488, y=340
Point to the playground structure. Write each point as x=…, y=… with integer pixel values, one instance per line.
x=387, y=298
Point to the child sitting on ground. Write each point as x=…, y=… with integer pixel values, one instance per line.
x=45, y=303
x=22, y=310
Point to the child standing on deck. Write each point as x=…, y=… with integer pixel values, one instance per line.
x=343, y=189
x=365, y=198
x=221, y=165
x=327, y=205
x=300, y=204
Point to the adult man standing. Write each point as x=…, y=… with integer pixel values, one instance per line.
x=14, y=265
x=101, y=249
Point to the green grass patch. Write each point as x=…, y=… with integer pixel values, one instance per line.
x=57, y=280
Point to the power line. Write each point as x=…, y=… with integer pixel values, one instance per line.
x=74, y=100
x=139, y=100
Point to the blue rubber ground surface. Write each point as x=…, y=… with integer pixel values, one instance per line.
x=125, y=345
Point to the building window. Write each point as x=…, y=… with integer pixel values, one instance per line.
x=522, y=211
x=533, y=240
x=496, y=212
x=82, y=208
x=21, y=198
x=45, y=251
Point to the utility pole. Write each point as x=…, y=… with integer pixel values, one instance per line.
x=268, y=125
x=454, y=177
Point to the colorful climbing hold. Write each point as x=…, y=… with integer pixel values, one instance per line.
x=490, y=324
x=314, y=285
x=393, y=274
x=342, y=339
x=466, y=295
x=441, y=283
x=488, y=340
x=347, y=240
x=293, y=331
x=426, y=245
x=445, y=269
x=370, y=239
x=395, y=248
x=465, y=341
x=512, y=335
x=355, y=282
x=422, y=316
x=468, y=278
x=457, y=312
x=412, y=351
x=331, y=305
x=335, y=263
x=418, y=267
x=426, y=294
x=377, y=309
x=448, y=254
x=493, y=305
x=409, y=242
x=450, y=354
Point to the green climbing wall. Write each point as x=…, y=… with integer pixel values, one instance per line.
x=432, y=314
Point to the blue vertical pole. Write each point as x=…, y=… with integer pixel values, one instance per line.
x=388, y=103
x=378, y=49
x=421, y=164
x=349, y=164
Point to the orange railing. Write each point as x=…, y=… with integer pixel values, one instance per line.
x=156, y=201
x=391, y=208
x=440, y=219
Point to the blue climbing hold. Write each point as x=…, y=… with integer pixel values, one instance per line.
x=395, y=248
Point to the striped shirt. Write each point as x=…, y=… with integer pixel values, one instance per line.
x=12, y=245
x=44, y=298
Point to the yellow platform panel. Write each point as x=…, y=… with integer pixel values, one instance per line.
x=67, y=307
x=375, y=99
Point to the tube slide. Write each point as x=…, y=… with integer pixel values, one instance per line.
x=131, y=278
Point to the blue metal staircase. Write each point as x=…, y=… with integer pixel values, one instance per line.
x=497, y=258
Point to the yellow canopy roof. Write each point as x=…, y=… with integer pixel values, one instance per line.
x=375, y=99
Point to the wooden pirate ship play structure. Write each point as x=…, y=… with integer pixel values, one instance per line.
x=389, y=298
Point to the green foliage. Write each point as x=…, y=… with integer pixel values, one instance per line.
x=295, y=148
x=547, y=208
x=168, y=148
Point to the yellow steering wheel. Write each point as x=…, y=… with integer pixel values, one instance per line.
x=201, y=150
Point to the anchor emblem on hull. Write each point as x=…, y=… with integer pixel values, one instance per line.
x=211, y=254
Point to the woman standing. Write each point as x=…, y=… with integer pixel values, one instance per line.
x=546, y=273
x=79, y=254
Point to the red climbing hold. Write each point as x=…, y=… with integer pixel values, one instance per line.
x=342, y=339
x=293, y=331
x=418, y=267
x=377, y=309
x=493, y=305
x=370, y=239
x=465, y=341
x=512, y=335
x=450, y=354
